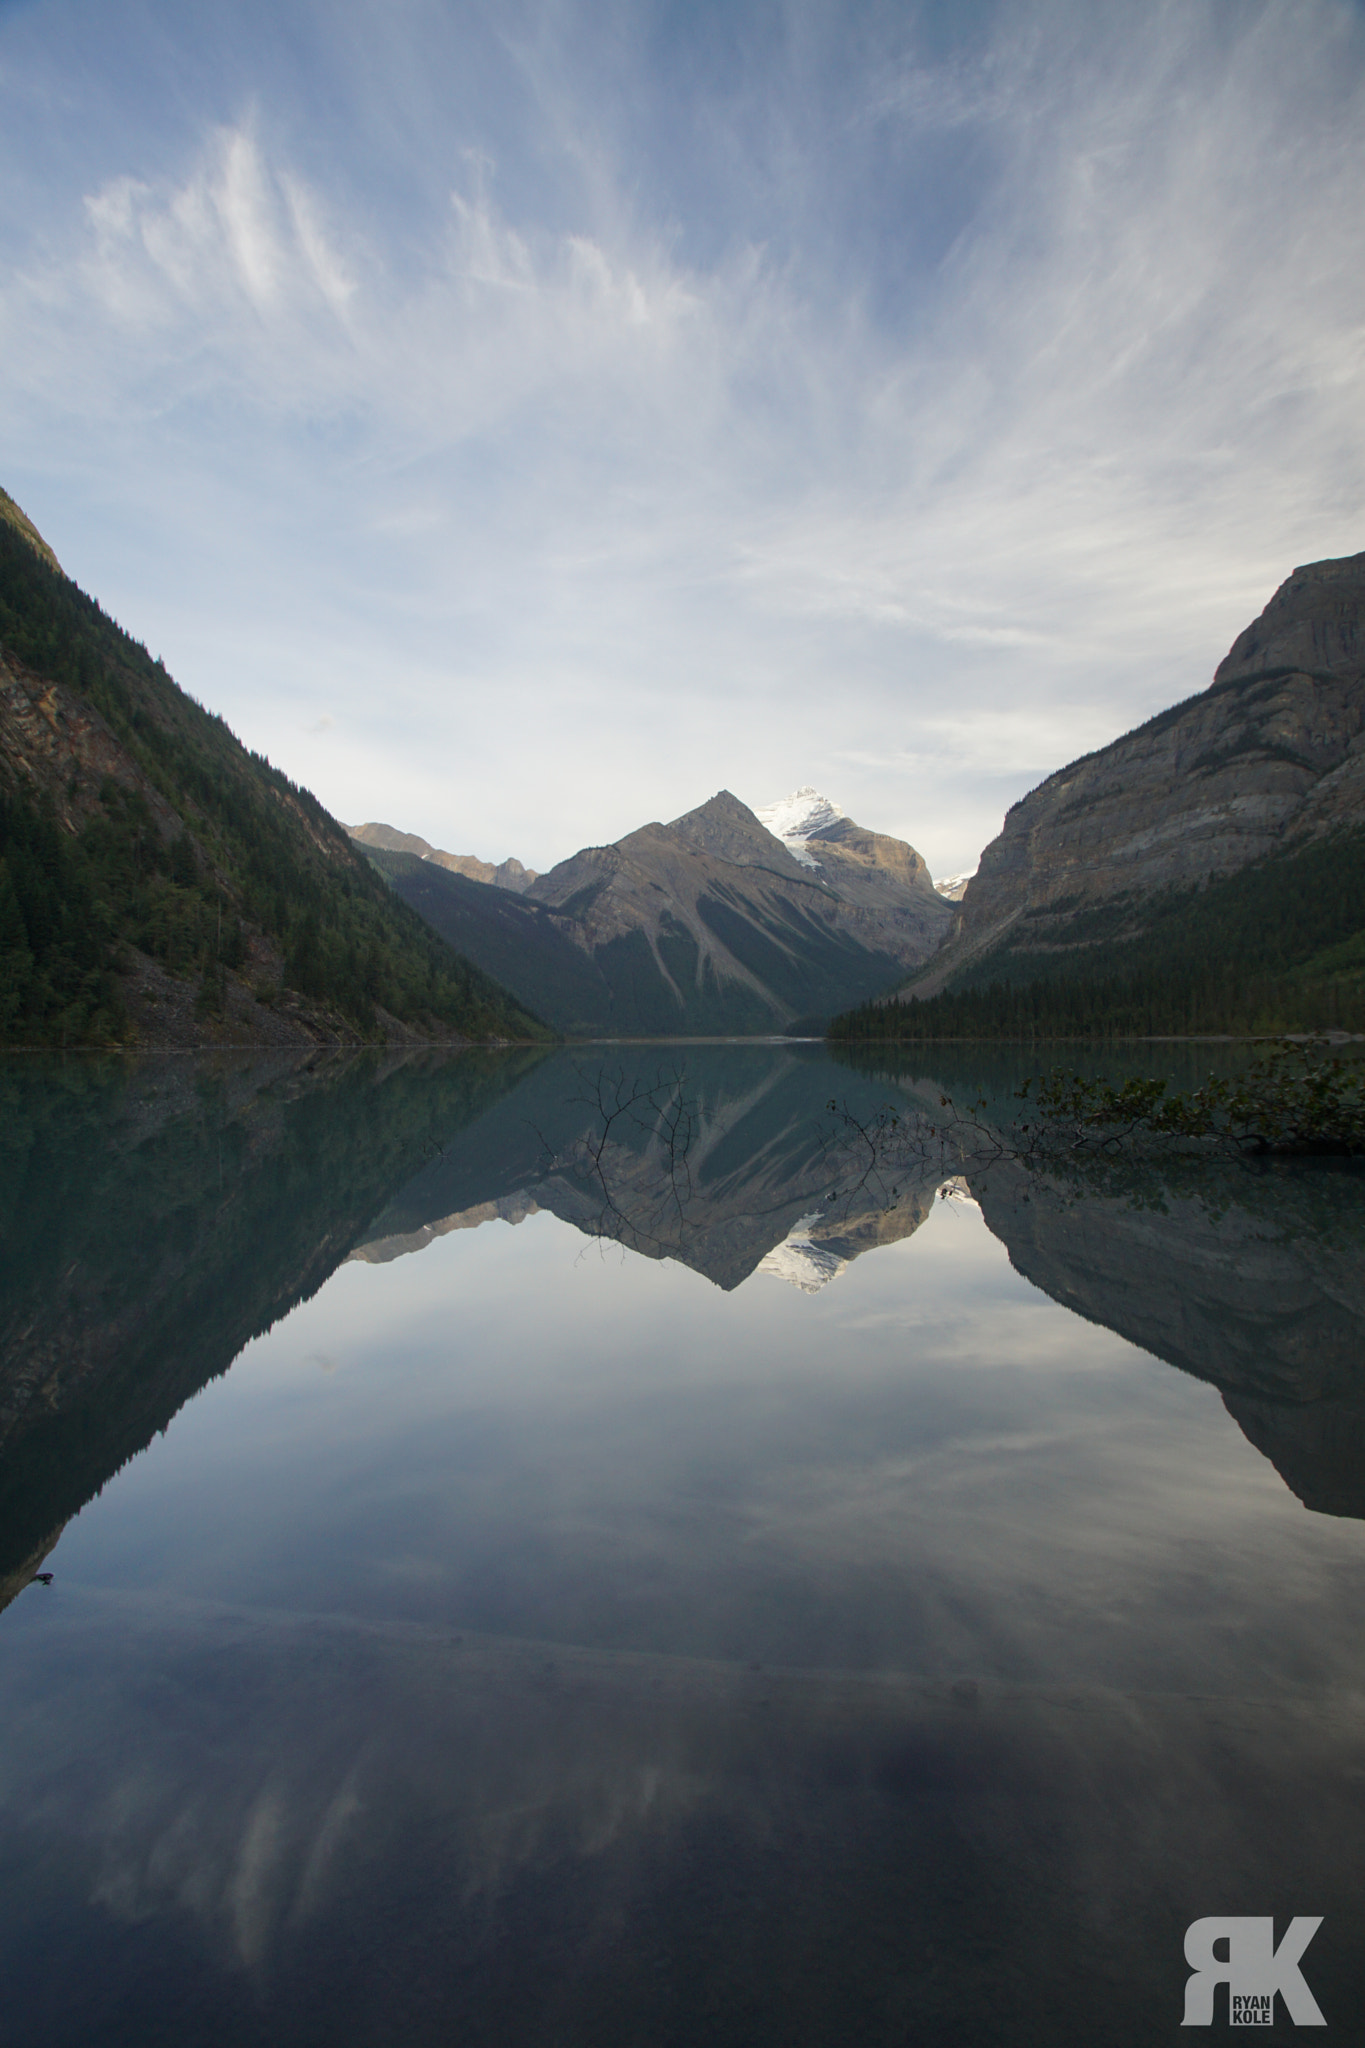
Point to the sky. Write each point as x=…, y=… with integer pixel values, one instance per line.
x=522, y=420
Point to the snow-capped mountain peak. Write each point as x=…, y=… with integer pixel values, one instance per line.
x=952, y=886
x=793, y=818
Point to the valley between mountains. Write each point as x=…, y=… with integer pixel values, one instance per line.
x=711, y=924
x=1204, y=873
x=160, y=885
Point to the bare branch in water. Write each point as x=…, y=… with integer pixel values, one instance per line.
x=654, y=1117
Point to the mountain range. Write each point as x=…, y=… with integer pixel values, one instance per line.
x=1205, y=872
x=709, y=924
x=506, y=874
x=160, y=885
x=819, y=834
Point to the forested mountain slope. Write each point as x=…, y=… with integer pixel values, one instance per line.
x=161, y=885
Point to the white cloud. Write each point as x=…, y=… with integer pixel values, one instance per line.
x=235, y=239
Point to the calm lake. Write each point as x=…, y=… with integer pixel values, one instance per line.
x=622, y=1546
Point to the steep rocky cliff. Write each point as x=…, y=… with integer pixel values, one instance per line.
x=868, y=868
x=1272, y=755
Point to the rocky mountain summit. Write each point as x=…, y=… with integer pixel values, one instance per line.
x=1271, y=755
x=795, y=820
x=506, y=874
x=870, y=868
x=709, y=923
x=719, y=901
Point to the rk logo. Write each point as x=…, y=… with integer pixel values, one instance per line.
x=1254, y=1971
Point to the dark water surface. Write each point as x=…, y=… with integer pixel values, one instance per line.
x=572, y=1549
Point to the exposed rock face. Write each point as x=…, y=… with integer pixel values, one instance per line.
x=1313, y=622
x=731, y=931
x=711, y=923
x=869, y=868
x=507, y=874
x=53, y=744
x=1273, y=751
x=725, y=828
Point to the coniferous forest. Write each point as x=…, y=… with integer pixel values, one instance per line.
x=1278, y=946
x=185, y=849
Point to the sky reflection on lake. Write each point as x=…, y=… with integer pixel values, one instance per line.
x=535, y=1640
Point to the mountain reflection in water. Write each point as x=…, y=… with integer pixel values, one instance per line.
x=599, y=1655
x=1249, y=1276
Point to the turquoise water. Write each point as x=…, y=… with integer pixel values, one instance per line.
x=557, y=1550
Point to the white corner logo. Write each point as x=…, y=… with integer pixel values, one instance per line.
x=1253, y=1972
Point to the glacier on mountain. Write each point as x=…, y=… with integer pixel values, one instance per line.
x=792, y=819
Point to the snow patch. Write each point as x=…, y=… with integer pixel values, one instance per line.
x=792, y=819
x=952, y=886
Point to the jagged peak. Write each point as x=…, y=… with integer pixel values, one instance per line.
x=954, y=886
x=793, y=819
x=728, y=829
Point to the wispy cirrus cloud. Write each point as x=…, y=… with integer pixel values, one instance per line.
x=728, y=451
